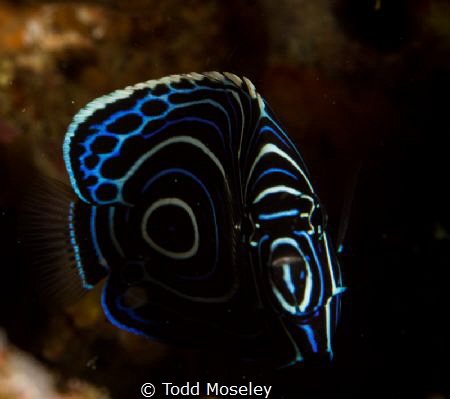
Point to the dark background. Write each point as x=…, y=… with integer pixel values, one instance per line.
x=361, y=85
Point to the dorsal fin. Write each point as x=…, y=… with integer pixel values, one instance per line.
x=118, y=125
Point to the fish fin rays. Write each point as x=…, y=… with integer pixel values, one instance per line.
x=46, y=232
x=347, y=203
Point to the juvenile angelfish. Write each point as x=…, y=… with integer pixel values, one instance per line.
x=196, y=207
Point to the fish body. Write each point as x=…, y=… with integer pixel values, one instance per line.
x=198, y=209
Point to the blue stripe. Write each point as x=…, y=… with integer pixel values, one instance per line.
x=273, y=170
x=270, y=130
x=112, y=319
x=277, y=215
x=310, y=334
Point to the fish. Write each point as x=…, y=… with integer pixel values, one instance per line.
x=195, y=208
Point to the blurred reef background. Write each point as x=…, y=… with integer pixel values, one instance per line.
x=363, y=88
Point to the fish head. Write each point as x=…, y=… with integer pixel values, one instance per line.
x=301, y=271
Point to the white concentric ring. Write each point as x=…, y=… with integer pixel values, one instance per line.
x=171, y=254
